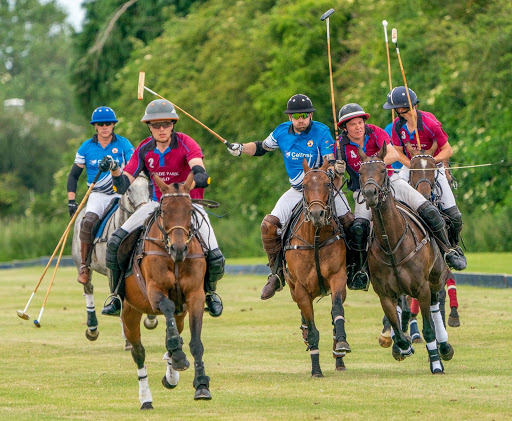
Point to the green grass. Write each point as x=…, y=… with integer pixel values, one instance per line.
x=255, y=357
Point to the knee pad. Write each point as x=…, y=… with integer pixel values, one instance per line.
x=432, y=216
x=86, y=227
x=455, y=218
x=269, y=226
x=215, y=266
x=112, y=246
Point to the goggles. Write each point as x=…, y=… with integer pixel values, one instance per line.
x=160, y=124
x=105, y=123
x=296, y=116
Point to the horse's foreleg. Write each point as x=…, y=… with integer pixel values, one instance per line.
x=426, y=299
x=401, y=345
x=92, y=331
x=305, y=305
x=201, y=380
x=131, y=328
x=173, y=341
x=445, y=349
x=338, y=321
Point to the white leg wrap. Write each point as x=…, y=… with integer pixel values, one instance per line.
x=171, y=375
x=144, y=392
x=435, y=364
x=314, y=351
x=441, y=333
x=399, y=312
x=89, y=302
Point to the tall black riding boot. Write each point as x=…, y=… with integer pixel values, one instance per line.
x=113, y=307
x=359, y=278
x=429, y=213
x=272, y=246
x=214, y=271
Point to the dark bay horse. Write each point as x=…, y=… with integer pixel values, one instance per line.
x=316, y=263
x=136, y=196
x=170, y=282
x=403, y=260
x=423, y=177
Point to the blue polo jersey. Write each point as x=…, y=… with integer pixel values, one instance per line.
x=312, y=144
x=90, y=153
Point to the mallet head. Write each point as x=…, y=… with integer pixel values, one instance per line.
x=37, y=323
x=140, y=90
x=23, y=315
x=327, y=14
x=394, y=36
x=385, y=23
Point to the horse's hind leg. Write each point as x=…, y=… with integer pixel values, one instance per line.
x=131, y=327
x=453, y=318
x=173, y=341
x=429, y=310
x=445, y=349
x=385, y=340
x=401, y=345
x=201, y=380
x=92, y=331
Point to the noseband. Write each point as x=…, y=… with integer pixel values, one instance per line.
x=326, y=207
x=426, y=180
x=166, y=233
x=383, y=189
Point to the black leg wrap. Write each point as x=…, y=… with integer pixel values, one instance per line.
x=357, y=268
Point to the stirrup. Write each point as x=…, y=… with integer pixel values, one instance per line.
x=110, y=308
x=361, y=285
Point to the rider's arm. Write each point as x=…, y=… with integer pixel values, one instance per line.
x=392, y=155
x=121, y=181
x=445, y=153
x=73, y=177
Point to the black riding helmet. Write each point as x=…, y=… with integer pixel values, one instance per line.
x=397, y=98
x=299, y=104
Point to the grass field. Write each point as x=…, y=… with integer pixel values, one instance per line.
x=255, y=357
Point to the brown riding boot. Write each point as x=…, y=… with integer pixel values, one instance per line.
x=272, y=246
x=84, y=272
x=346, y=221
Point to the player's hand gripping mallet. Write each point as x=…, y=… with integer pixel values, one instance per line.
x=140, y=95
x=394, y=38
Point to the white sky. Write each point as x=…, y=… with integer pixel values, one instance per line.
x=74, y=10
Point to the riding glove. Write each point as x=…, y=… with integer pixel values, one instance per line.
x=72, y=207
x=339, y=167
x=236, y=149
x=108, y=164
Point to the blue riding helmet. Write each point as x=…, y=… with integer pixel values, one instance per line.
x=103, y=115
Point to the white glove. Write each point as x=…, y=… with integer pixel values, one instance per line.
x=340, y=167
x=236, y=149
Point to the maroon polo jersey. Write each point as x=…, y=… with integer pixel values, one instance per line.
x=171, y=165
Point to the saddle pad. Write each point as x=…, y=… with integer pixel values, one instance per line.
x=106, y=216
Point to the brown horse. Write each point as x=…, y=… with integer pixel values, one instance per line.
x=403, y=260
x=170, y=282
x=423, y=178
x=315, y=256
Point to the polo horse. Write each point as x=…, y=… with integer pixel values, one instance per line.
x=168, y=279
x=423, y=178
x=315, y=257
x=135, y=197
x=404, y=259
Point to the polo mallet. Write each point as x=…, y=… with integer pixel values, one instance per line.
x=394, y=38
x=385, y=24
x=140, y=95
x=325, y=17
x=23, y=314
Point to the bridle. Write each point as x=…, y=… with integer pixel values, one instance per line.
x=326, y=207
x=424, y=179
x=166, y=233
x=383, y=189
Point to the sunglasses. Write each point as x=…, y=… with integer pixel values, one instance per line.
x=296, y=116
x=160, y=124
x=105, y=123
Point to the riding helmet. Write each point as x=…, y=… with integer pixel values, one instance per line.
x=160, y=109
x=299, y=104
x=103, y=115
x=350, y=111
x=397, y=98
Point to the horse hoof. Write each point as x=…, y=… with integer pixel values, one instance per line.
x=446, y=351
x=438, y=372
x=92, y=335
x=202, y=393
x=179, y=362
x=417, y=340
x=168, y=385
x=150, y=322
x=128, y=346
x=317, y=375
x=146, y=405
x=453, y=321
x=342, y=346
x=385, y=341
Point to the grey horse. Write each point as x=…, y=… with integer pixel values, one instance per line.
x=135, y=197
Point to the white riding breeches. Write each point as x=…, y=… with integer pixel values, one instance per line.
x=400, y=189
x=98, y=202
x=284, y=206
x=442, y=188
x=202, y=224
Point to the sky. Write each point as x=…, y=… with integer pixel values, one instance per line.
x=74, y=10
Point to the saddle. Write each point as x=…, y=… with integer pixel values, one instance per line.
x=99, y=226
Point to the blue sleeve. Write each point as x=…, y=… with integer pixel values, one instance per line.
x=326, y=141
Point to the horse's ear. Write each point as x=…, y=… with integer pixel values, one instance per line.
x=189, y=182
x=433, y=149
x=305, y=165
x=325, y=165
x=361, y=154
x=410, y=149
x=383, y=151
x=159, y=182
